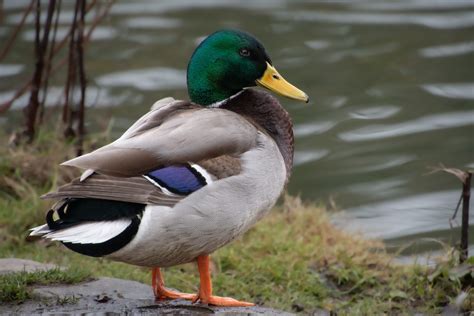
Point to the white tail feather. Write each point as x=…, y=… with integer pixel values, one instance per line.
x=40, y=230
x=88, y=232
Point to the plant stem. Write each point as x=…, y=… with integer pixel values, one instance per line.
x=466, y=195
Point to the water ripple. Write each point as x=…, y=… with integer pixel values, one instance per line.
x=338, y=101
x=99, y=33
x=15, y=5
x=380, y=189
x=362, y=52
x=317, y=44
x=154, y=7
x=376, y=112
x=447, y=50
x=388, y=162
x=413, y=5
x=401, y=217
x=10, y=69
x=65, y=17
x=451, y=90
x=159, y=78
x=302, y=157
x=152, y=23
x=437, y=21
x=98, y=97
x=314, y=128
x=423, y=124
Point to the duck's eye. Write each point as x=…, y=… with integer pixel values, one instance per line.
x=244, y=52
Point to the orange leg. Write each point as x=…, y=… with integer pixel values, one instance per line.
x=161, y=292
x=205, y=289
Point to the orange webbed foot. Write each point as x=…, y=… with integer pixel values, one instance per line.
x=162, y=293
x=223, y=301
x=167, y=294
x=205, y=290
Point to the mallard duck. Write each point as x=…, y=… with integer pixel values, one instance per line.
x=189, y=176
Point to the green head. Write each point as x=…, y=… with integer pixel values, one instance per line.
x=228, y=61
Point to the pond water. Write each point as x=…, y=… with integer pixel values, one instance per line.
x=391, y=86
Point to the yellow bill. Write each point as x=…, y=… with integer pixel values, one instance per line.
x=273, y=81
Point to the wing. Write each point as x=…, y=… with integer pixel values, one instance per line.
x=174, y=133
x=164, y=186
x=101, y=213
x=133, y=190
x=170, y=152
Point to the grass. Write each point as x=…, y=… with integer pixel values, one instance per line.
x=294, y=259
x=15, y=286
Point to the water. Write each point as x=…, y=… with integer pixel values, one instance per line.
x=391, y=86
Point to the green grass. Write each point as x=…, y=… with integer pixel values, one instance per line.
x=294, y=256
x=14, y=287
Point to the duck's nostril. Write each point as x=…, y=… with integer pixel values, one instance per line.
x=276, y=77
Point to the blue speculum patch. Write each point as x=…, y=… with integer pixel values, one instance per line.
x=178, y=179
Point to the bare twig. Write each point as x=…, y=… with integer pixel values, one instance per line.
x=98, y=19
x=40, y=49
x=82, y=78
x=457, y=207
x=61, y=44
x=30, y=110
x=48, y=63
x=12, y=38
x=465, y=177
x=57, y=48
x=453, y=218
x=466, y=192
x=71, y=76
x=27, y=86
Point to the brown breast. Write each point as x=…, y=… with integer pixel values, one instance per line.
x=264, y=110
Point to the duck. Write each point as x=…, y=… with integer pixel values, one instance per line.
x=188, y=177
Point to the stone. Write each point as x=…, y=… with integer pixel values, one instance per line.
x=108, y=296
x=11, y=265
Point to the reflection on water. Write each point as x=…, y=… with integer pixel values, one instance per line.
x=152, y=23
x=448, y=50
x=95, y=97
x=423, y=124
x=313, y=128
x=302, y=157
x=376, y=112
x=391, y=86
x=362, y=52
x=10, y=70
x=100, y=33
x=416, y=223
x=146, y=79
x=437, y=21
x=411, y=5
x=403, y=217
x=452, y=90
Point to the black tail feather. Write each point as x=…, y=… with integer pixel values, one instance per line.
x=73, y=212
